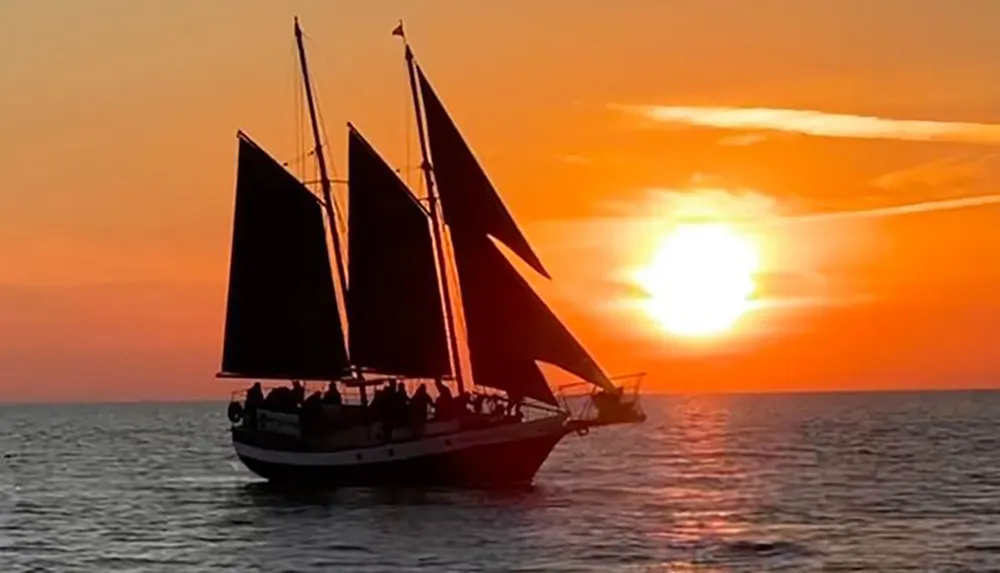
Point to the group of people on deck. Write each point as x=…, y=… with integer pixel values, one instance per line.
x=391, y=405
x=290, y=399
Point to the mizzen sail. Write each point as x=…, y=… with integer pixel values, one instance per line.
x=281, y=313
x=468, y=199
x=393, y=300
x=508, y=326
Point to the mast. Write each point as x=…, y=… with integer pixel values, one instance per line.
x=324, y=176
x=425, y=166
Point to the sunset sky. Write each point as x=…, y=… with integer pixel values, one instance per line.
x=853, y=142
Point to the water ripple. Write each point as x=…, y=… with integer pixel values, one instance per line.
x=875, y=482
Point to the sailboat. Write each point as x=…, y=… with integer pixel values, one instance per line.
x=394, y=323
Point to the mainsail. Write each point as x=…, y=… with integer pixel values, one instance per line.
x=393, y=301
x=281, y=314
x=508, y=326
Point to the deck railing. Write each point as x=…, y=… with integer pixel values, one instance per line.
x=577, y=398
x=494, y=404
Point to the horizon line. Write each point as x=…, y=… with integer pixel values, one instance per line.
x=762, y=392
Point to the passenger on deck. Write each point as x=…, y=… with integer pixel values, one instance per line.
x=608, y=402
x=401, y=406
x=443, y=408
x=496, y=406
x=255, y=395
x=514, y=400
x=281, y=399
x=298, y=391
x=254, y=400
x=332, y=395
x=311, y=413
x=314, y=400
x=379, y=403
x=462, y=402
x=477, y=404
x=392, y=408
x=420, y=404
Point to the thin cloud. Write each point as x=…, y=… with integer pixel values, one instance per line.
x=821, y=124
x=743, y=139
x=906, y=209
x=941, y=174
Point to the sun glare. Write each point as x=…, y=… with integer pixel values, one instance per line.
x=700, y=279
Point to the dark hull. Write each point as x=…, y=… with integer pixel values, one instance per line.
x=505, y=463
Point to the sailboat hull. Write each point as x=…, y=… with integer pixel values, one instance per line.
x=503, y=456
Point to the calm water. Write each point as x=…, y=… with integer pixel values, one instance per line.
x=873, y=482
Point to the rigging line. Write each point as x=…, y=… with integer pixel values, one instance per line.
x=407, y=105
x=298, y=161
x=300, y=117
x=293, y=101
x=365, y=95
x=322, y=128
x=340, y=220
x=338, y=212
x=295, y=165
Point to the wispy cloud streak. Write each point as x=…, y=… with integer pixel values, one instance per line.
x=821, y=124
x=907, y=209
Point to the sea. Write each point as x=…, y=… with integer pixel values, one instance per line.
x=710, y=483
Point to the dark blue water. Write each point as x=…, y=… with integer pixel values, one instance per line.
x=852, y=482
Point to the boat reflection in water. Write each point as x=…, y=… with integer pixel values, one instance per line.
x=393, y=326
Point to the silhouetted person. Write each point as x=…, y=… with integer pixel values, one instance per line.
x=609, y=403
x=386, y=408
x=255, y=395
x=377, y=407
x=462, y=402
x=477, y=403
x=443, y=406
x=311, y=414
x=255, y=399
x=514, y=400
x=400, y=406
x=332, y=395
x=280, y=399
x=420, y=403
x=298, y=391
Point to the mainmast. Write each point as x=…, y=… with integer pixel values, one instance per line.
x=324, y=176
x=425, y=166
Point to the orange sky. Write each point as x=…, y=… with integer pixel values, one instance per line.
x=600, y=122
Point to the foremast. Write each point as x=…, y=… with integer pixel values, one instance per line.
x=324, y=178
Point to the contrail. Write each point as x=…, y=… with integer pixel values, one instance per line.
x=907, y=209
x=818, y=123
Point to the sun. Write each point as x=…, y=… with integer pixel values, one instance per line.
x=701, y=279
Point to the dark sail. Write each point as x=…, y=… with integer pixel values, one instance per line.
x=468, y=199
x=281, y=314
x=393, y=301
x=509, y=327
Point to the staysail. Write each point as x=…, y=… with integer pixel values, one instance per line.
x=393, y=300
x=281, y=312
x=508, y=326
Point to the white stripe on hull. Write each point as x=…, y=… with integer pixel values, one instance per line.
x=408, y=450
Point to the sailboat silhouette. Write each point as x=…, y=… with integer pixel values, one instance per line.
x=284, y=320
